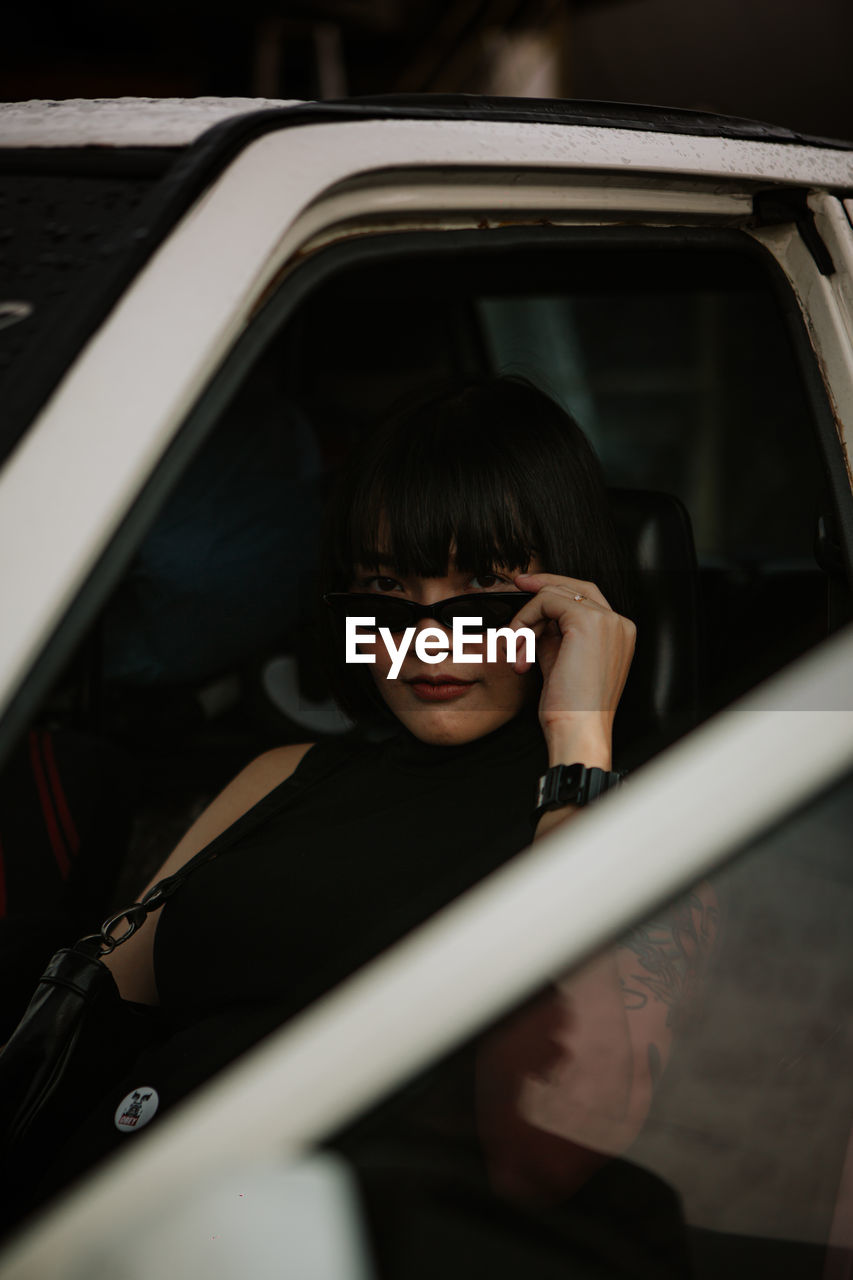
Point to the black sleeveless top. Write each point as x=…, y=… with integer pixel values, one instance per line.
x=361, y=844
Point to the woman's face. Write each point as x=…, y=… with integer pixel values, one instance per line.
x=447, y=703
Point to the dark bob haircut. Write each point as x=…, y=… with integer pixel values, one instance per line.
x=489, y=466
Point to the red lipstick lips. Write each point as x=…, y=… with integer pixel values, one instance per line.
x=439, y=688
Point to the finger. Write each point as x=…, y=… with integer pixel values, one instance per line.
x=577, y=586
x=540, y=627
x=545, y=630
x=555, y=604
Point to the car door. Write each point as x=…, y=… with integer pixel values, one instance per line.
x=291, y=215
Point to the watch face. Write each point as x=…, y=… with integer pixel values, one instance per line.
x=573, y=784
x=561, y=785
x=573, y=791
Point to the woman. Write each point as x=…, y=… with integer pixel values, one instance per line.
x=483, y=489
x=486, y=487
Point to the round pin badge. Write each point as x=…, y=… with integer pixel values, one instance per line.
x=134, y=1111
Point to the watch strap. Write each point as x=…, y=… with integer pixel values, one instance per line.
x=574, y=784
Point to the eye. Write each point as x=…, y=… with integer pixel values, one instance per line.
x=488, y=580
x=380, y=584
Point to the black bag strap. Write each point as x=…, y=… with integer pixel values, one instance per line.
x=317, y=764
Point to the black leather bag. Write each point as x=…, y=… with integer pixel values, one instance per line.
x=75, y=1035
x=75, y=999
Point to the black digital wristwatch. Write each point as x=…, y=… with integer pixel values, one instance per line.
x=574, y=784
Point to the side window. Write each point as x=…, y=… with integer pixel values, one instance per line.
x=681, y=368
x=689, y=386
x=685, y=389
x=680, y=1105
x=676, y=362
x=62, y=233
x=752, y=1121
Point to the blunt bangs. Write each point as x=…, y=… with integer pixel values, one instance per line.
x=488, y=469
x=424, y=508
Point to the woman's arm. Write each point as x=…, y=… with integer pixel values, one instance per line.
x=620, y=1015
x=566, y=1083
x=584, y=651
x=132, y=964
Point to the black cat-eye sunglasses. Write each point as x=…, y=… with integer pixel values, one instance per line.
x=496, y=608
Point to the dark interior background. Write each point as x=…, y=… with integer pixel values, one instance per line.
x=777, y=60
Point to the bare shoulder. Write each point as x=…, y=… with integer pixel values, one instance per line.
x=132, y=964
x=259, y=777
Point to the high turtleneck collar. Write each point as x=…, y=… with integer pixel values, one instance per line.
x=521, y=736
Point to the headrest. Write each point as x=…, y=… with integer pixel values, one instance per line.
x=661, y=698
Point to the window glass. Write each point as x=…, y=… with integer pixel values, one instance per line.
x=679, y=366
x=677, y=363
x=61, y=235
x=683, y=391
x=681, y=1105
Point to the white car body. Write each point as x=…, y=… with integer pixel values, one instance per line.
x=287, y=194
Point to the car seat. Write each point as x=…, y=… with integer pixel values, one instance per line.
x=661, y=697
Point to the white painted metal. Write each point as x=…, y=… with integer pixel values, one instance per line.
x=393, y=204
x=113, y=416
x=120, y=122
x=441, y=192
x=548, y=909
x=834, y=229
x=146, y=122
x=827, y=322
x=261, y=1222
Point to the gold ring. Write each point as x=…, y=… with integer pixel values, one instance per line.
x=578, y=597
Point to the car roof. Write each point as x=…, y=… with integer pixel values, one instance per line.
x=177, y=122
x=120, y=122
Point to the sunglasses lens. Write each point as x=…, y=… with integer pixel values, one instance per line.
x=495, y=608
x=395, y=615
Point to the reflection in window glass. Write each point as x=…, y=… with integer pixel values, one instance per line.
x=688, y=390
x=753, y=1115
x=679, y=1106
x=677, y=361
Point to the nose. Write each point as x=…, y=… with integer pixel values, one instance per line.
x=432, y=591
x=424, y=623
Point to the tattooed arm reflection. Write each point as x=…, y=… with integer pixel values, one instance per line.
x=671, y=955
x=567, y=1082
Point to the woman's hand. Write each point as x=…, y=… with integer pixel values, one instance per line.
x=584, y=651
